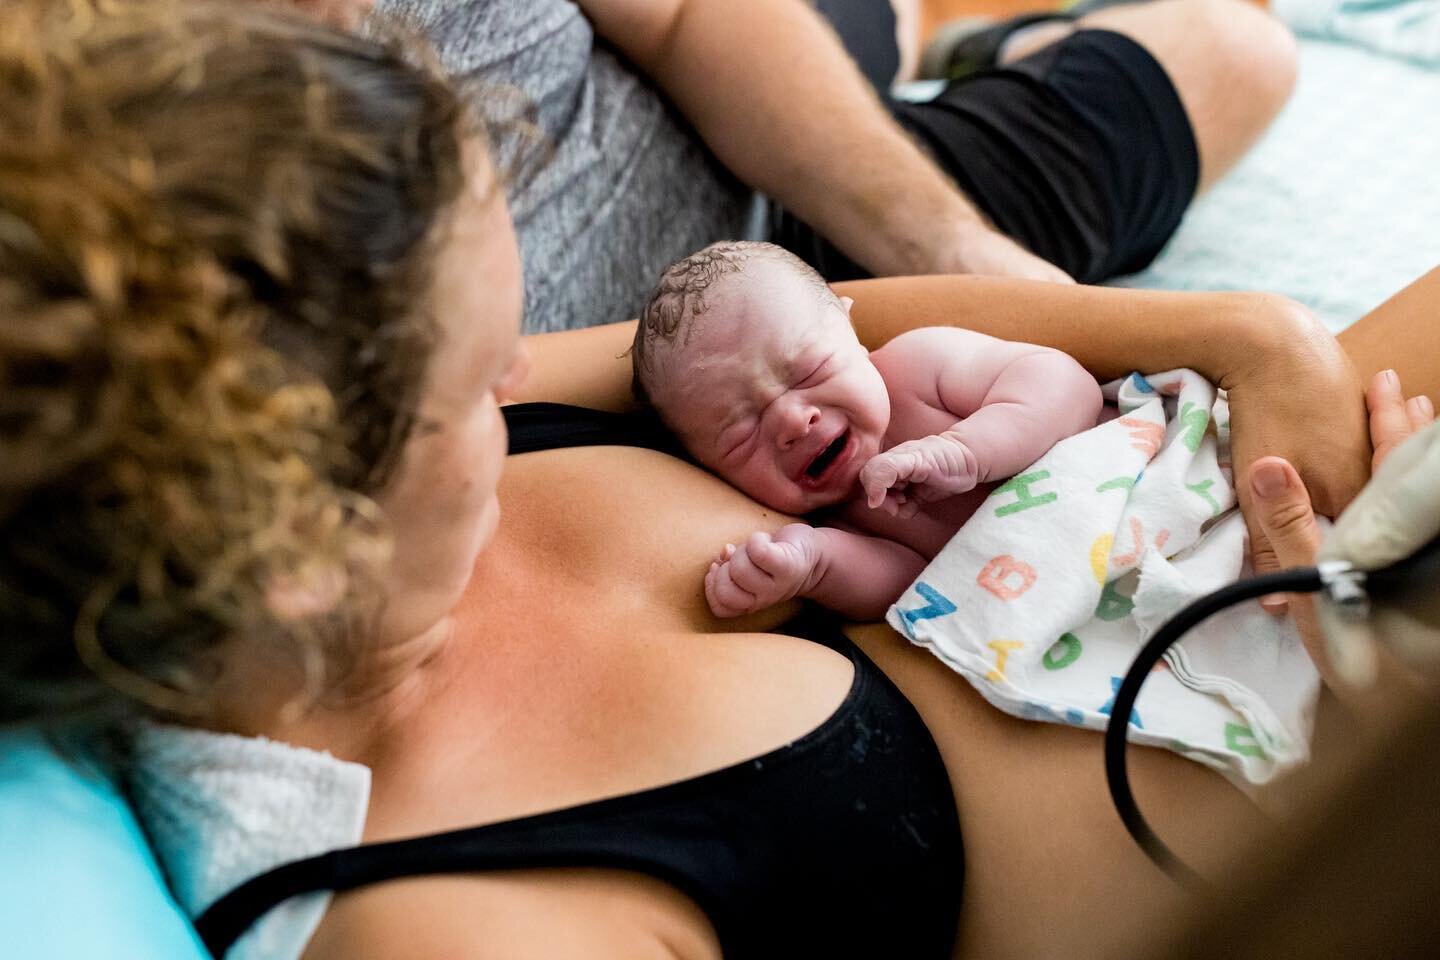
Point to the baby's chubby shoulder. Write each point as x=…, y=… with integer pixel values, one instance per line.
x=928, y=347
x=924, y=341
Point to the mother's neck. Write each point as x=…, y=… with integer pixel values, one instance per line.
x=262, y=693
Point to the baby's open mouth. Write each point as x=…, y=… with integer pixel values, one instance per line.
x=827, y=456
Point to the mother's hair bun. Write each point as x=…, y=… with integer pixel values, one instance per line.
x=215, y=228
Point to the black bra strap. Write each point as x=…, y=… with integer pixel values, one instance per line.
x=630, y=839
x=550, y=426
x=538, y=841
x=225, y=920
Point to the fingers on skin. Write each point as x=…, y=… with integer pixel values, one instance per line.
x=1262, y=561
x=768, y=556
x=1285, y=512
x=874, y=495
x=1389, y=415
x=1262, y=555
x=1286, y=518
x=1281, y=516
x=875, y=485
x=1420, y=411
x=893, y=480
x=733, y=583
x=726, y=599
x=765, y=571
x=746, y=575
x=878, y=476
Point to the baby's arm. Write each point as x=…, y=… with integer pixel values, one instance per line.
x=852, y=574
x=1012, y=401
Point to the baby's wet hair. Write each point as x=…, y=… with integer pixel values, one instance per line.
x=679, y=298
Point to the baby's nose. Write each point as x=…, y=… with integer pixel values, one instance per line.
x=796, y=420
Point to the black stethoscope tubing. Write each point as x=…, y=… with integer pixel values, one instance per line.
x=1297, y=580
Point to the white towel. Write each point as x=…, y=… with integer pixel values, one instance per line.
x=1044, y=596
x=220, y=809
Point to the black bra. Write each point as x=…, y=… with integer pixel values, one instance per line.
x=843, y=843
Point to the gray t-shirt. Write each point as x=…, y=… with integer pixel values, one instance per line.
x=626, y=186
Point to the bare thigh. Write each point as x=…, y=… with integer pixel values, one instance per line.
x=1232, y=63
x=1046, y=856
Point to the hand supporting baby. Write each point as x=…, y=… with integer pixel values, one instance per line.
x=916, y=472
x=763, y=571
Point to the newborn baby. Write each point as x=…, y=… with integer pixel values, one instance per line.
x=750, y=358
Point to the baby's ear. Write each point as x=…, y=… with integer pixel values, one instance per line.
x=847, y=303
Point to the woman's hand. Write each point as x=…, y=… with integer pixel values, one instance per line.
x=1284, y=510
x=1295, y=396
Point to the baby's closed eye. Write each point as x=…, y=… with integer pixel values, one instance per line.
x=735, y=439
x=815, y=374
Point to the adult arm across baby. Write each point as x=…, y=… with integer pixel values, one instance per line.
x=1278, y=362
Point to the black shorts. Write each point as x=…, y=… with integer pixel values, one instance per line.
x=867, y=28
x=1081, y=151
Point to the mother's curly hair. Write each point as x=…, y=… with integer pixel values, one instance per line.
x=216, y=222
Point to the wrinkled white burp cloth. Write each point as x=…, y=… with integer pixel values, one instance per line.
x=1044, y=596
x=220, y=809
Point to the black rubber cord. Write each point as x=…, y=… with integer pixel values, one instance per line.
x=1297, y=580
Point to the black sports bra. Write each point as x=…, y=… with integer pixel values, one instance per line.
x=843, y=843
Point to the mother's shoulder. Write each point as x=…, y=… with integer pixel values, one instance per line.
x=514, y=915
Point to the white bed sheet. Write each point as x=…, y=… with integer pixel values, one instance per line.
x=1338, y=206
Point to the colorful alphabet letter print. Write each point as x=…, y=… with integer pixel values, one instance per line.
x=1006, y=577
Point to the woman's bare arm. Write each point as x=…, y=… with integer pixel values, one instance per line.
x=1110, y=331
x=1402, y=334
x=589, y=367
x=1294, y=392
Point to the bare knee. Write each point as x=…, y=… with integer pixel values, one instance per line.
x=1232, y=63
x=1247, y=43
x=1221, y=39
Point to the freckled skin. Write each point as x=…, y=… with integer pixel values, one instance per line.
x=772, y=391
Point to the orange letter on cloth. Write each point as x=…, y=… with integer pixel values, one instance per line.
x=995, y=577
x=1145, y=436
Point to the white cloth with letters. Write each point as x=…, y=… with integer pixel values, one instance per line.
x=1043, y=598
